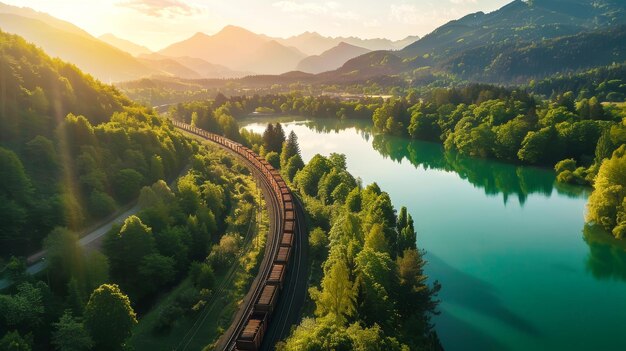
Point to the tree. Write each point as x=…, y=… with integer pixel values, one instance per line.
x=418, y=298
x=273, y=159
x=294, y=165
x=290, y=149
x=64, y=255
x=25, y=308
x=127, y=247
x=606, y=203
x=13, y=341
x=70, y=334
x=155, y=270
x=127, y=184
x=109, y=318
x=338, y=294
x=273, y=137
x=309, y=177
x=353, y=200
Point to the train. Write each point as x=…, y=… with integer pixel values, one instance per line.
x=251, y=329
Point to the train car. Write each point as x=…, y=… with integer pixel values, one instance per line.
x=289, y=226
x=267, y=300
x=289, y=215
x=284, y=252
x=288, y=205
x=277, y=274
x=253, y=331
x=287, y=197
x=287, y=239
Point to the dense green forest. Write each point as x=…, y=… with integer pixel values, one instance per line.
x=74, y=151
x=366, y=265
x=63, y=165
x=579, y=136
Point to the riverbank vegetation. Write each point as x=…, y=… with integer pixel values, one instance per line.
x=573, y=133
x=366, y=266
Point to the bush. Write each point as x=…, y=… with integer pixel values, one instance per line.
x=202, y=275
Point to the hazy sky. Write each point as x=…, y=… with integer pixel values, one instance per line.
x=158, y=23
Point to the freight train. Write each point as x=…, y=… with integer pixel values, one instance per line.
x=251, y=329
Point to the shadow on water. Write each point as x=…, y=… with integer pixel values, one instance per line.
x=461, y=335
x=472, y=293
x=607, y=256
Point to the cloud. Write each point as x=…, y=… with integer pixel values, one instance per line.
x=462, y=2
x=160, y=8
x=429, y=15
x=330, y=8
x=406, y=13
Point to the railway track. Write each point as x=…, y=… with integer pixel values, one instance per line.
x=283, y=252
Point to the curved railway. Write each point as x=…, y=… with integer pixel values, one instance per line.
x=265, y=316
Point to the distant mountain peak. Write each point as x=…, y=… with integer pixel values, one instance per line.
x=233, y=30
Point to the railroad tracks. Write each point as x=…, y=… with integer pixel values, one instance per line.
x=283, y=253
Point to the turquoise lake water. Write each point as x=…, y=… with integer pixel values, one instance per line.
x=519, y=269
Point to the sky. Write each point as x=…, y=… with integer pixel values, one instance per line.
x=158, y=23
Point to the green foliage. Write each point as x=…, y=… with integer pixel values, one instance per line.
x=606, y=203
x=109, y=318
x=338, y=295
x=273, y=138
x=70, y=334
x=126, y=248
x=290, y=149
x=273, y=158
x=13, y=341
x=309, y=177
x=25, y=308
x=360, y=283
x=294, y=165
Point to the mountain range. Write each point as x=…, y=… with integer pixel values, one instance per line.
x=238, y=49
x=331, y=59
x=125, y=45
x=313, y=43
x=505, y=45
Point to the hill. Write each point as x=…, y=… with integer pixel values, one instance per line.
x=312, y=43
x=239, y=49
x=518, y=21
x=170, y=67
x=331, y=59
x=519, y=62
x=124, y=45
x=70, y=43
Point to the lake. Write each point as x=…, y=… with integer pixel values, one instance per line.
x=519, y=269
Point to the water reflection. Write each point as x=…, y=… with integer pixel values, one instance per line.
x=494, y=177
x=607, y=256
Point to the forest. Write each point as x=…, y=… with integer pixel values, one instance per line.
x=76, y=153
x=366, y=263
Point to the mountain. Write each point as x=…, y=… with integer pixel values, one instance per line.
x=207, y=69
x=124, y=45
x=529, y=20
x=72, y=44
x=519, y=62
x=44, y=17
x=239, y=49
x=195, y=67
x=331, y=59
x=170, y=67
x=313, y=43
